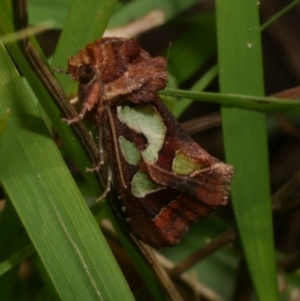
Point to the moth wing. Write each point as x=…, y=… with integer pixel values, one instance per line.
x=184, y=165
x=165, y=179
x=209, y=186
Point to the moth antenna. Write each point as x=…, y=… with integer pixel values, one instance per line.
x=61, y=71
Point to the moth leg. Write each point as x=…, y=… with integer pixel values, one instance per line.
x=100, y=151
x=107, y=188
x=89, y=95
x=80, y=116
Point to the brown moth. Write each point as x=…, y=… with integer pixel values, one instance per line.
x=165, y=180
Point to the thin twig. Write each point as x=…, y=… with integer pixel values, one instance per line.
x=216, y=244
x=201, y=124
x=157, y=268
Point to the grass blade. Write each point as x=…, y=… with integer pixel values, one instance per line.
x=49, y=204
x=240, y=68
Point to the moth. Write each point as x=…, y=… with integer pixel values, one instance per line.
x=165, y=180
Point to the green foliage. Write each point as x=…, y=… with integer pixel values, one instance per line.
x=241, y=128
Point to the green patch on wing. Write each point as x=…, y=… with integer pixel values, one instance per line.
x=184, y=165
x=141, y=185
x=147, y=121
x=129, y=151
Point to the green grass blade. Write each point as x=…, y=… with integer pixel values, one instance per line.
x=16, y=259
x=250, y=102
x=240, y=66
x=49, y=204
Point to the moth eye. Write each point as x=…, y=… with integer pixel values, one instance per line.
x=86, y=73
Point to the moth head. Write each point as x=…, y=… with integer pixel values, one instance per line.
x=90, y=89
x=86, y=73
